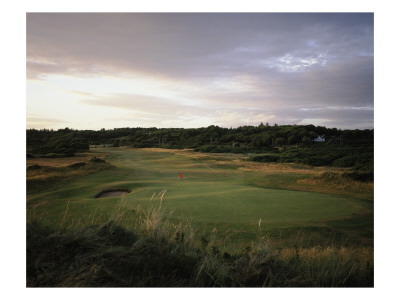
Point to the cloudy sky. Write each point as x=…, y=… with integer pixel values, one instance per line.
x=105, y=70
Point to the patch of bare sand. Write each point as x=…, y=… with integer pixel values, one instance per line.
x=112, y=193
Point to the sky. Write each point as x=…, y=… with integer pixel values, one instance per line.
x=188, y=70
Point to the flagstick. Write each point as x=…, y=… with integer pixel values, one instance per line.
x=179, y=177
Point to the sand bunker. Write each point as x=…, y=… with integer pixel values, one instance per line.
x=112, y=193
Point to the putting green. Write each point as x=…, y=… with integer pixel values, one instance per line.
x=223, y=203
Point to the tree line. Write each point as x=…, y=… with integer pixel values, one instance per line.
x=208, y=139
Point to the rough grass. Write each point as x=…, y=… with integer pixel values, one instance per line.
x=38, y=177
x=155, y=252
x=337, y=183
x=63, y=161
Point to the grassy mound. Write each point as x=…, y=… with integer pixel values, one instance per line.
x=41, y=177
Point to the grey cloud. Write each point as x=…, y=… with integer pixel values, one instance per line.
x=182, y=44
x=341, y=116
x=345, y=84
x=349, y=83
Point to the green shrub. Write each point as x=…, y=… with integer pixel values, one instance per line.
x=265, y=158
x=346, y=161
x=97, y=160
x=34, y=167
x=359, y=176
x=77, y=165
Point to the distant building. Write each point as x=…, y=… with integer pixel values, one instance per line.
x=320, y=138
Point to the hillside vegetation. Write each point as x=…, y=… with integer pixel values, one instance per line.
x=244, y=139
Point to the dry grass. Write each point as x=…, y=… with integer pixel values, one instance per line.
x=364, y=255
x=154, y=221
x=330, y=266
x=52, y=174
x=239, y=161
x=282, y=168
x=197, y=155
x=53, y=168
x=40, y=176
x=336, y=186
x=64, y=161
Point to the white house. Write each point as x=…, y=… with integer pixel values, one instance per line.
x=320, y=138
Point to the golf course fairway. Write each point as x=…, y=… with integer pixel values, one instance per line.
x=214, y=191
